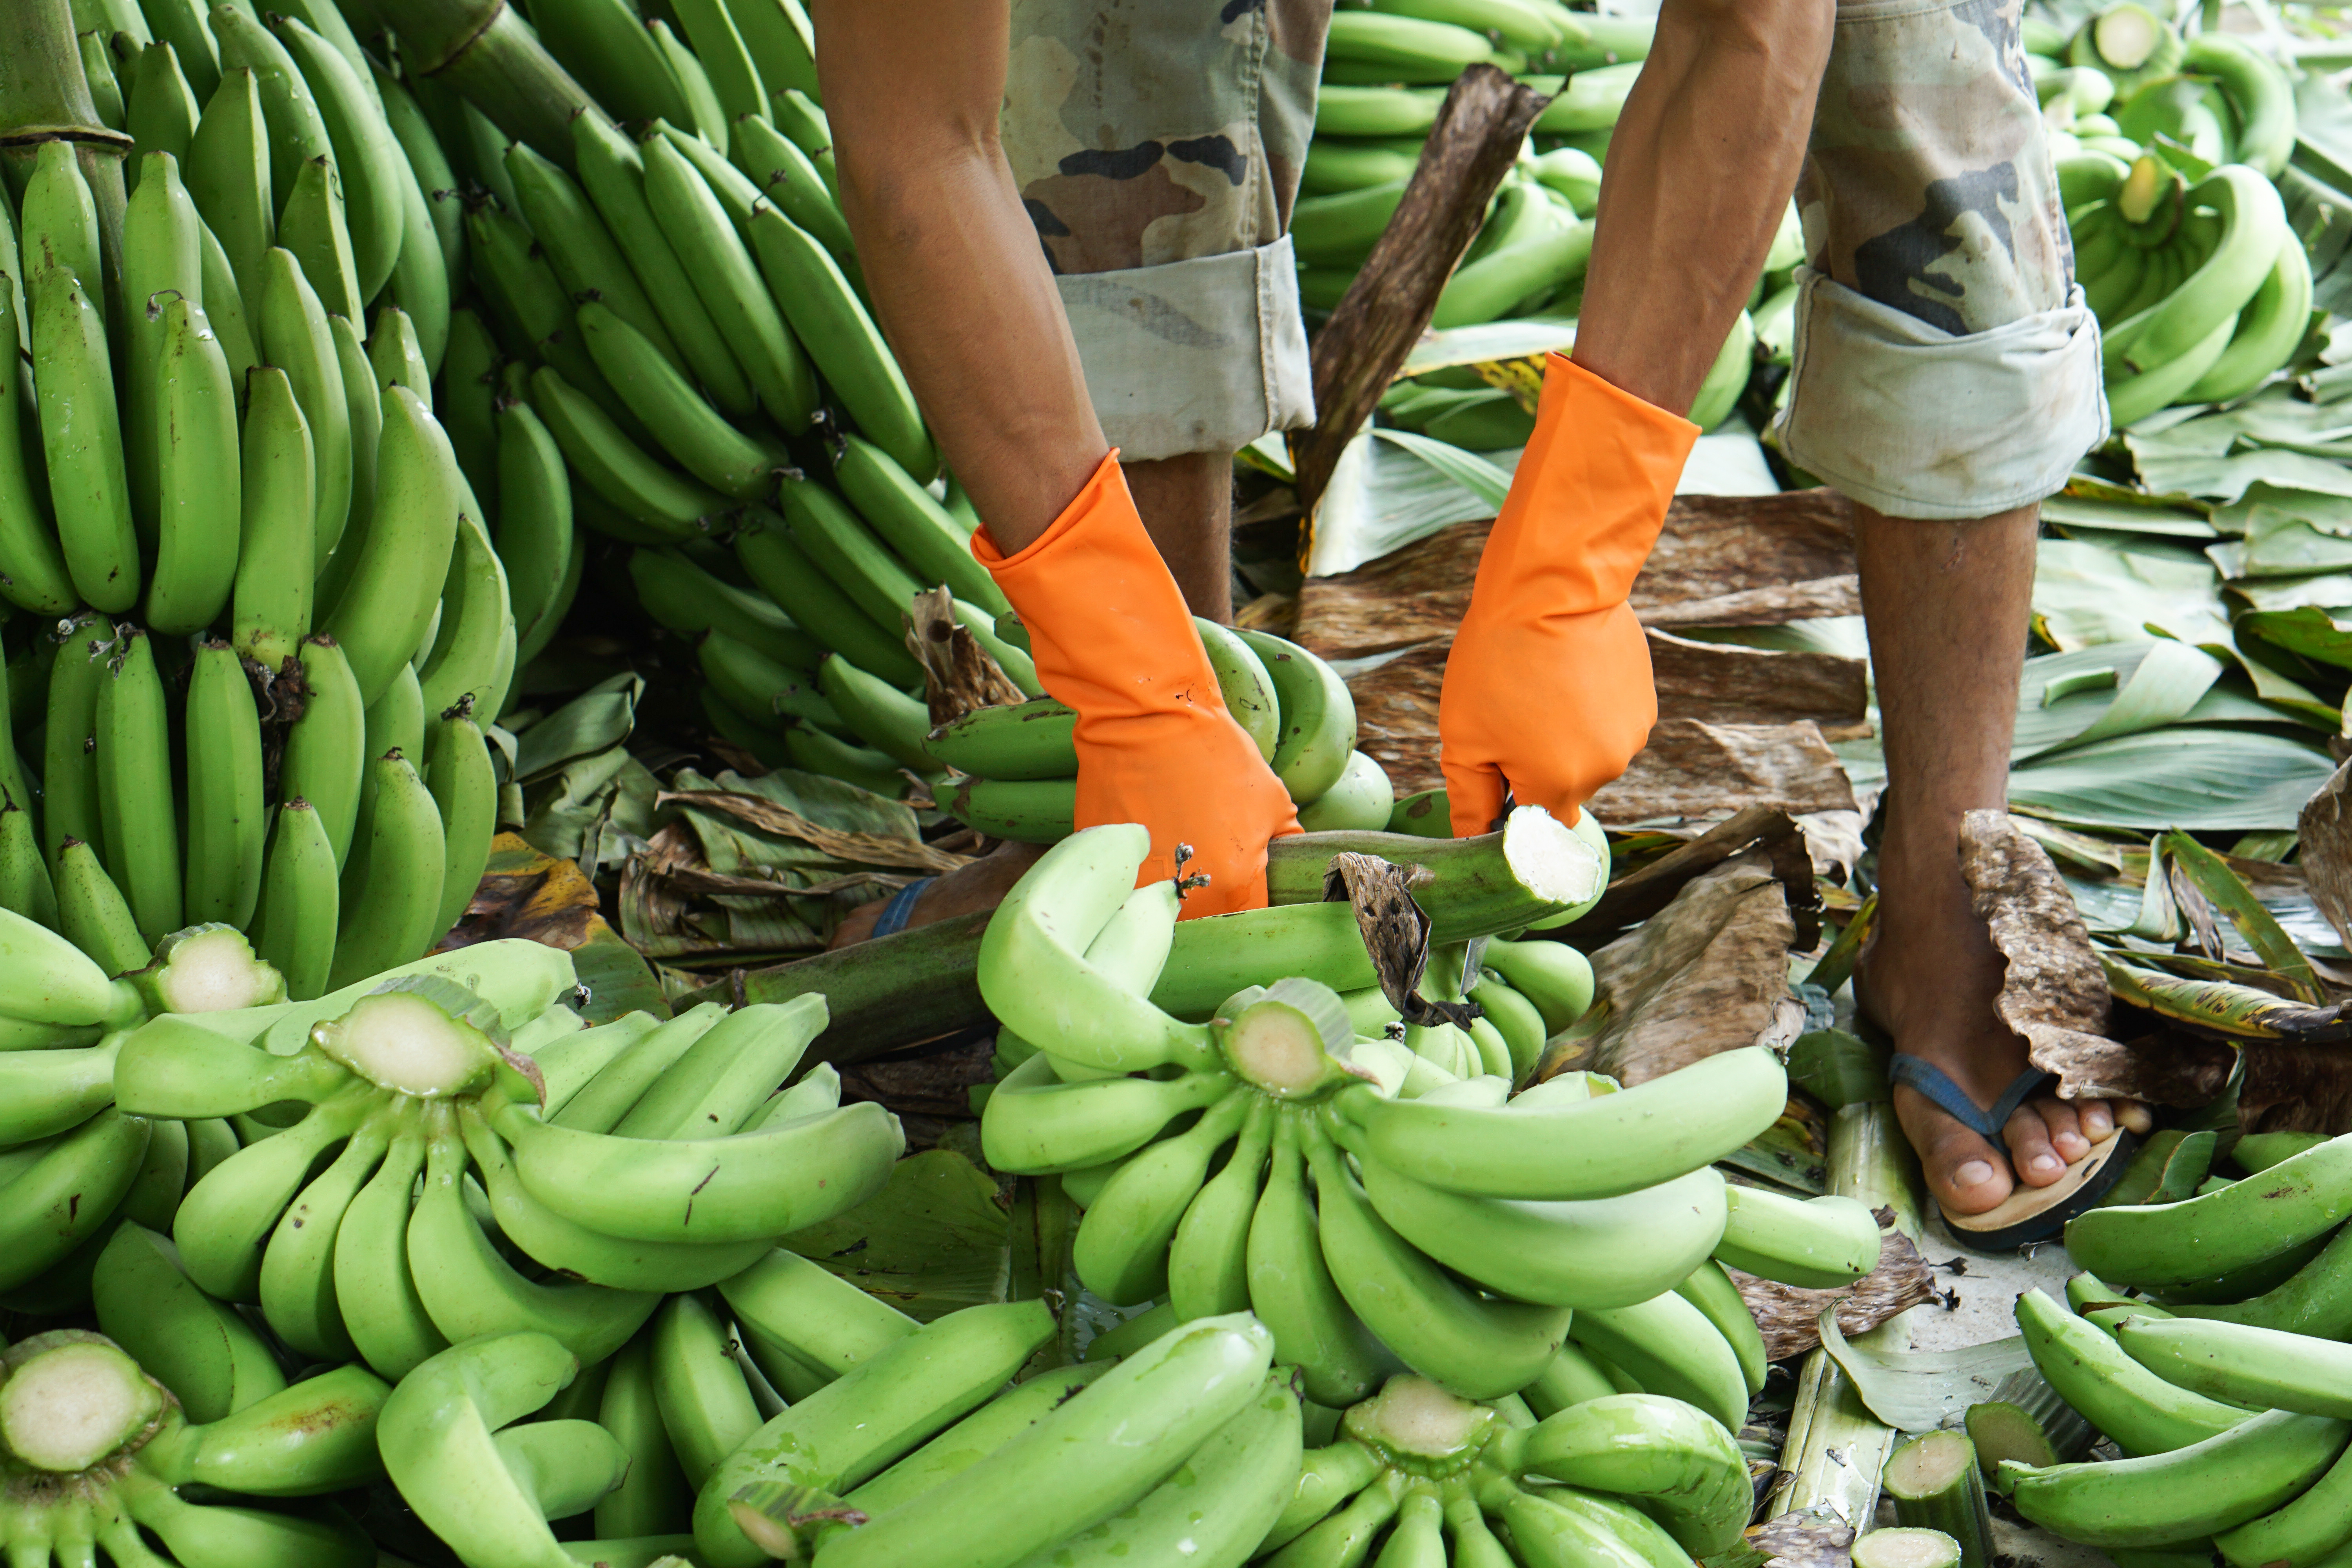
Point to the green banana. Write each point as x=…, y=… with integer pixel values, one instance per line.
x=868, y=1419
x=271, y=609
x=2254, y=228
x=224, y=1219
x=467, y=403
x=1292, y=1290
x=367, y=160
x=33, y=572
x=976, y=1436
x=1602, y=1147
x=805, y=592
x=419, y=283
x=659, y=394
x=325, y=751
x=687, y=600
x=827, y=315
x=2313, y=1528
x=881, y=715
x=820, y=1319
x=199, y=483
x=64, y=1190
x=297, y=1285
x=373, y=1290
x=1553, y=975
x=2268, y=331
x=295, y=337
x=920, y=529
x=1816, y=1244
x=297, y=131
x=439, y=1432
x=88, y=486
x=141, y=820
x=655, y=1497
x=51, y=1090
x=1123, y=1246
x=620, y=1083
x=68, y=746
x=181, y=24
x=311, y=226
x=728, y=1072
x=2233, y=1228
x=1038, y=811
x=465, y=790
x=200, y=1349
x=1033, y=739
x=535, y=540
x=471, y=657
x=1678, y=1465
x=396, y=582
x=795, y=113
x=93, y=913
x=617, y=468
x=2261, y=1369
x=363, y=411
x=26, y=887
x=1669, y=1347
x=1341, y=227
x=2139, y=1411
x=1316, y=715
x=839, y=542
x=300, y=903
x=58, y=215
x=763, y=691
x=734, y=78
x=780, y=41
x=612, y=173
x=392, y=878
x=469, y=1289
x=727, y=283
x=1472, y=1346
x=1248, y=688
x=2199, y=1491
x=1181, y=1388
x=162, y=257
x=705, y=1406
x=228, y=176
x=1610, y=1252
x=1710, y=1289
x=1208, y=1256
x=227, y=819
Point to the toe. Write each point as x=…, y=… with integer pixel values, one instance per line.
x=1966, y=1174
x=2064, y=1125
x=2098, y=1119
x=2037, y=1163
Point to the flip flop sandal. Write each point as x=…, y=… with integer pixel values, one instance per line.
x=2028, y=1215
x=901, y=908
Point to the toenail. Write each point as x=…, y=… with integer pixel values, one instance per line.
x=2096, y=1121
x=2069, y=1143
x=1975, y=1173
x=2047, y=1164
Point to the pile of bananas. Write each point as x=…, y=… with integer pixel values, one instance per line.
x=95, y=1453
x=1020, y=763
x=1640, y=1478
x=1377, y=1211
x=2224, y=1380
x=277, y=623
x=2166, y=153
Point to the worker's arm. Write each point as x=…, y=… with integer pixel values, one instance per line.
x=912, y=88
x=1700, y=167
x=1547, y=692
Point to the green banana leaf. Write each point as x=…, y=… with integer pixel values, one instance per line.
x=2226, y=478
x=933, y=1240
x=1383, y=495
x=2309, y=632
x=2115, y=689
x=2199, y=778
x=2087, y=594
x=2236, y=902
x=2325, y=591
x=1514, y=339
x=2280, y=543
x=1920, y=1391
x=2112, y=514
x=1470, y=471
x=596, y=720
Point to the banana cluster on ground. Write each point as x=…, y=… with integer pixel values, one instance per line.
x=1019, y=762
x=2206, y=1343
x=1384, y=1202
x=276, y=618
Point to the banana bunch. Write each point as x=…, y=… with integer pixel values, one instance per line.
x=1435, y=1480
x=1185, y=1450
x=485, y=1481
x=2202, y=290
x=96, y=1452
x=614, y=1164
x=1375, y=1211
x=223, y=483
x=1020, y=762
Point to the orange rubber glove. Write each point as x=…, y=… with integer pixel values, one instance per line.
x=1112, y=638
x=1547, y=689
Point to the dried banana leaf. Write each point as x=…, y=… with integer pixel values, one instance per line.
x=2233, y=899
x=2233, y=1012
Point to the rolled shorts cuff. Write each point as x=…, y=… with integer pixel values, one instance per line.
x=1911, y=421
x=1201, y=356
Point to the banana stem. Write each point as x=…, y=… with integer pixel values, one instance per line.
x=71, y=1399
x=482, y=50
x=44, y=97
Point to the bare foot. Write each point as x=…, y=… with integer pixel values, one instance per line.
x=1939, y=1004
x=981, y=885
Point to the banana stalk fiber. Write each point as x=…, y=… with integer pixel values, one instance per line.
x=45, y=97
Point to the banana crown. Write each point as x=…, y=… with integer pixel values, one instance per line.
x=1284, y=1039
x=420, y=1035
x=208, y=969
x=1413, y=1424
x=71, y=1399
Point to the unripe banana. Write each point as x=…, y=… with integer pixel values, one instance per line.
x=392, y=881
x=655, y=1497
x=162, y=258
x=134, y=786
x=93, y=914
x=1815, y=1245
x=66, y=1190
x=405, y=557
x=2233, y=1228
x=1670, y=1348
x=227, y=822
x=301, y=900
x=277, y=564
x=311, y=227
x=2202, y=1490
x=199, y=483
x=30, y=560
x=617, y=468
x=705, y=1406
x=88, y=487
x=198, y=1348
x=847, y=347
x=367, y=161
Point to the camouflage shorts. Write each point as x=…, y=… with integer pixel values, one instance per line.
x=1157, y=144
x=1945, y=363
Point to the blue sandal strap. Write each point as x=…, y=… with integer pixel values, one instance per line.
x=1919, y=1073
x=901, y=907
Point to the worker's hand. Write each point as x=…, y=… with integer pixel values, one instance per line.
x=1547, y=690
x=1113, y=640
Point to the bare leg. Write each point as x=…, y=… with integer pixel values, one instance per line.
x=1187, y=503
x=1947, y=605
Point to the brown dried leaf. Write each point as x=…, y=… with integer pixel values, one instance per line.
x=2325, y=832
x=2054, y=994
x=1720, y=561
x=960, y=676
x=1641, y=892
x=1704, y=975
x=523, y=893
x=2295, y=1087
x=857, y=848
x=1691, y=769
x=1395, y=928
x=1791, y=1317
